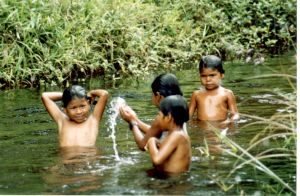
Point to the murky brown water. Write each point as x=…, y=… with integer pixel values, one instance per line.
x=32, y=163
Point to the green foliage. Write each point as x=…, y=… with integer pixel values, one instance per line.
x=267, y=24
x=51, y=42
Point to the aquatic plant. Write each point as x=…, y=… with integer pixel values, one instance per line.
x=278, y=130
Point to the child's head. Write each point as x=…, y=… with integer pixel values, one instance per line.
x=177, y=106
x=76, y=103
x=211, y=62
x=73, y=92
x=165, y=85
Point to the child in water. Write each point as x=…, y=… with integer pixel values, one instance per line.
x=173, y=153
x=213, y=102
x=76, y=126
x=163, y=86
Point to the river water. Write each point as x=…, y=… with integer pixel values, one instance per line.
x=32, y=163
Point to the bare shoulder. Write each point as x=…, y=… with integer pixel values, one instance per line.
x=227, y=91
x=196, y=93
x=199, y=91
x=179, y=135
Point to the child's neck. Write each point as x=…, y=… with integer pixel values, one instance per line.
x=213, y=90
x=174, y=128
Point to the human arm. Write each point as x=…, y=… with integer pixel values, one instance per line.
x=142, y=139
x=49, y=99
x=101, y=103
x=234, y=114
x=141, y=131
x=159, y=153
x=129, y=115
x=192, y=105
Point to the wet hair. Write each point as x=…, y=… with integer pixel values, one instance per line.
x=73, y=92
x=166, y=84
x=212, y=62
x=177, y=106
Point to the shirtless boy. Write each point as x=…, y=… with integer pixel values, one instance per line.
x=76, y=126
x=163, y=86
x=214, y=102
x=173, y=153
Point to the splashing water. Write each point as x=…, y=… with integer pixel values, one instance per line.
x=113, y=111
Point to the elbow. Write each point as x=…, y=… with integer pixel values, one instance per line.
x=44, y=96
x=105, y=94
x=141, y=145
x=156, y=161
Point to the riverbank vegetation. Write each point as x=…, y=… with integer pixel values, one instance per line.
x=52, y=42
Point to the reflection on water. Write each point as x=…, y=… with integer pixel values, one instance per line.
x=33, y=163
x=76, y=170
x=78, y=154
x=209, y=134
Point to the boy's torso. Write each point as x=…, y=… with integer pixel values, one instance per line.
x=78, y=134
x=179, y=159
x=212, y=105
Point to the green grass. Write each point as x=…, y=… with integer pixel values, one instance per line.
x=52, y=42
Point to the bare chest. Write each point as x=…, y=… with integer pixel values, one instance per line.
x=214, y=101
x=83, y=134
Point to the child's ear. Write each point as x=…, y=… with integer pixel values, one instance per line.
x=160, y=97
x=222, y=75
x=169, y=117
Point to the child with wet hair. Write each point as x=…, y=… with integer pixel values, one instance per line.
x=164, y=85
x=173, y=153
x=213, y=102
x=77, y=126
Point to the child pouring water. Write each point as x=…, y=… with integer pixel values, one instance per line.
x=214, y=101
x=163, y=86
x=76, y=126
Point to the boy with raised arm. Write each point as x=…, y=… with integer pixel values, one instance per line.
x=76, y=126
x=163, y=86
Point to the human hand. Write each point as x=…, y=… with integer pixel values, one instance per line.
x=127, y=113
x=224, y=123
x=91, y=98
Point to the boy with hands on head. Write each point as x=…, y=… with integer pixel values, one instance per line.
x=76, y=126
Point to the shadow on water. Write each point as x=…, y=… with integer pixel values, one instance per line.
x=32, y=162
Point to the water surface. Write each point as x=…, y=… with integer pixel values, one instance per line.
x=32, y=162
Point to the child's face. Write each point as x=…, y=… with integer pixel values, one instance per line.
x=78, y=110
x=162, y=121
x=156, y=99
x=210, y=78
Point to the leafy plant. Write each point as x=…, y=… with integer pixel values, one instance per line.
x=54, y=42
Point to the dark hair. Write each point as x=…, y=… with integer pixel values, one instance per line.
x=72, y=92
x=177, y=106
x=212, y=62
x=166, y=84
